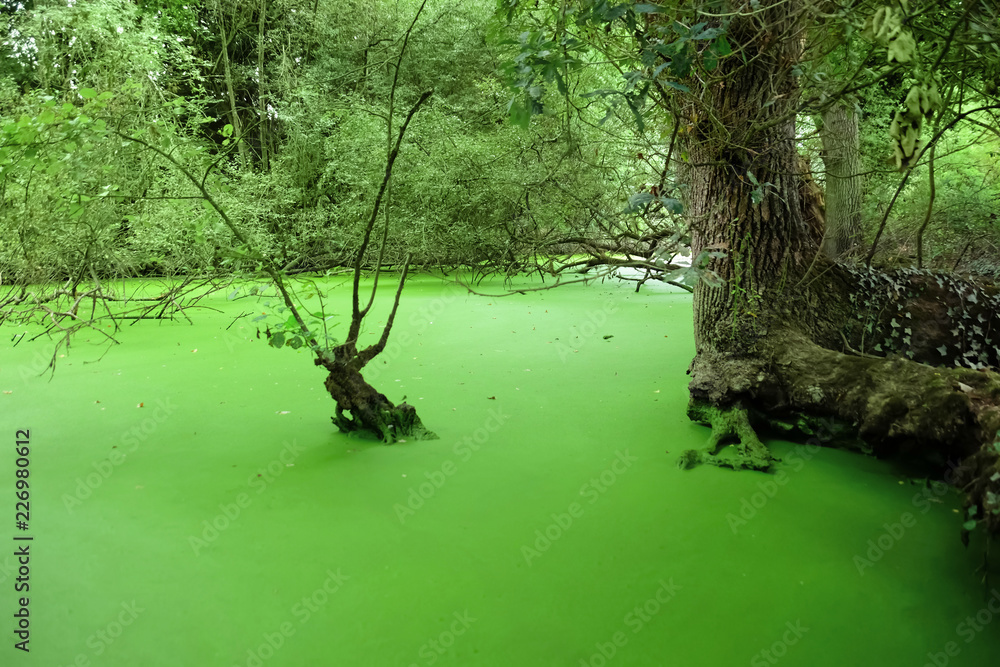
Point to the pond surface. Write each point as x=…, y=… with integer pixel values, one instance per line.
x=193, y=505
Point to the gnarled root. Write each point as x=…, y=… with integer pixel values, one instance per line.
x=360, y=407
x=728, y=425
x=390, y=422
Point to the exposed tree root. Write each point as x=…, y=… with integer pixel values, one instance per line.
x=728, y=425
x=360, y=407
x=948, y=418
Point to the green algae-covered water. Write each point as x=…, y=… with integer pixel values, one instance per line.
x=191, y=504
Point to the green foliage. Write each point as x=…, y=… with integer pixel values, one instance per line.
x=759, y=189
x=471, y=189
x=964, y=229
x=282, y=329
x=670, y=51
x=86, y=213
x=921, y=102
x=540, y=61
x=46, y=228
x=887, y=27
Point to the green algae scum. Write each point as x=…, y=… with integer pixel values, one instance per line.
x=192, y=504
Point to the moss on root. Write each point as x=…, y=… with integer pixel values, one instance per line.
x=389, y=422
x=729, y=425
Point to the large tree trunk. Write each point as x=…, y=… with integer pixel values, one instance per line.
x=786, y=336
x=744, y=208
x=842, y=162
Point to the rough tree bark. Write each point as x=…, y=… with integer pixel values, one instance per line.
x=842, y=162
x=790, y=336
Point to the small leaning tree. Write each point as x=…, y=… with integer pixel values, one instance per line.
x=59, y=134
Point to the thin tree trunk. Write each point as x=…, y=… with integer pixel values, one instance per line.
x=233, y=112
x=930, y=209
x=262, y=120
x=842, y=159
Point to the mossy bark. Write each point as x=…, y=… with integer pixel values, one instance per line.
x=945, y=418
x=728, y=425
